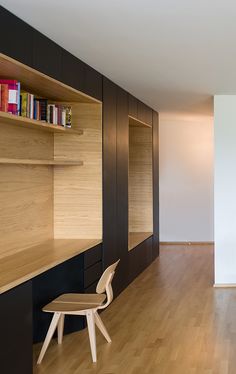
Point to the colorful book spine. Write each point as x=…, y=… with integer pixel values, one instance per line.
x=12, y=95
x=4, y=97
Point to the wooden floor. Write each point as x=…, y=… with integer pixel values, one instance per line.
x=170, y=320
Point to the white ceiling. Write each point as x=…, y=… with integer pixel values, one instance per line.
x=172, y=54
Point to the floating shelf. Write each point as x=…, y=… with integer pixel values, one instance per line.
x=10, y=119
x=134, y=122
x=40, y=162
x=41, y=84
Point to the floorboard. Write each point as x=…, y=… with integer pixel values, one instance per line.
x=170, y=320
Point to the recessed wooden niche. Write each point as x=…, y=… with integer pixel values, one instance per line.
x=51, y=177
x=140, y=182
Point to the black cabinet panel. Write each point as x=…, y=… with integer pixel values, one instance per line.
x=92, y=256
x=133, y=106
x=64, y=278
x=16, y=37
x=155, y=135
x=93, y=83
x=79, y=75
x=92, y=274
x=109, y=172
x=16, y=350
x=47, y=56
x=73, y=71
x=122, y=139
x=139, y=258
x=144, y=113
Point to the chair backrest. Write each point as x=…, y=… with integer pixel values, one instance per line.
x=104, y=284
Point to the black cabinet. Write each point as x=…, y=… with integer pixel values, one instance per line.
x=155, y=136
x=139, y=258
x=16, y=37
x=79, y=75
x=144, y=113
x=109, y=173
x=47, y=56
x=16, y=350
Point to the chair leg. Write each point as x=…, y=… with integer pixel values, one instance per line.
x=60, y=328
x=101, y=327
x=92, y=334
x=49, y=335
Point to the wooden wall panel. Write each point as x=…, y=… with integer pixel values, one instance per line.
x=140, y=180
x=26, y=212
x=78, y=189
x=26, y=194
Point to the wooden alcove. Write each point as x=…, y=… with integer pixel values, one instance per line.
x=140, y=182
x=50, y=178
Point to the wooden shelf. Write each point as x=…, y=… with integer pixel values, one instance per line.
x=134, y=122
x=135, y=238
x=16, y=161
x=41, y=84
x=28, y=263
x=10, y=119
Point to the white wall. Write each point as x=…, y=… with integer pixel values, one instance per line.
x=225, y=189
x=186, y=178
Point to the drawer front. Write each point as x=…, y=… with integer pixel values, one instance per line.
x=92, y=256
x=92, y=274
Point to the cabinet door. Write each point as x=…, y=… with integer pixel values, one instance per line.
x=16, y=37
x=47, y=56
x=73, y=71
x=133, y=106
x=155, y=136
x=109, y=173
x=93, y=83
x=144, y=113
x=122, y=140
x=64, y=278
x=16, y=349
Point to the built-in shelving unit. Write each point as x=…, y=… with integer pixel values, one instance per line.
x=140, y=182
x=42, y=207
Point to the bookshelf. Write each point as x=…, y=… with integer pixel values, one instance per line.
x=140, y=182
x=57, y=204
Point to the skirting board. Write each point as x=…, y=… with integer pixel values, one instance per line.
x=186, y=243
x=221, y=285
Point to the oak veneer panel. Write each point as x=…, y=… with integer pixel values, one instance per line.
x=22, y=266
x=140, y=180
x=135, y=238
x=78, y=189
x=39, y=83
x=26, y=206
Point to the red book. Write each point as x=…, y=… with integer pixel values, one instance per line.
x=4, y=97
x=12, y=95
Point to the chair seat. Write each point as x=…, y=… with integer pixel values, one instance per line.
x=73, y=302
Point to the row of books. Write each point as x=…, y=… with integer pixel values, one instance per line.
x=15, y=101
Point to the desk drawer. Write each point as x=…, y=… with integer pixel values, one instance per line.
x=92, y=256
x=92, y=274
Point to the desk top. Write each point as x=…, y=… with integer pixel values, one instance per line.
x=27, y=264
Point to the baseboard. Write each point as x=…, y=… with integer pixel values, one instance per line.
x=186, y=243
x=224, y=285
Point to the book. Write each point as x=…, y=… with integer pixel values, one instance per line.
x=4, y=97
x=12, y=95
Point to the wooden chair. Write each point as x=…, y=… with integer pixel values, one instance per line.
x=81, y=305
